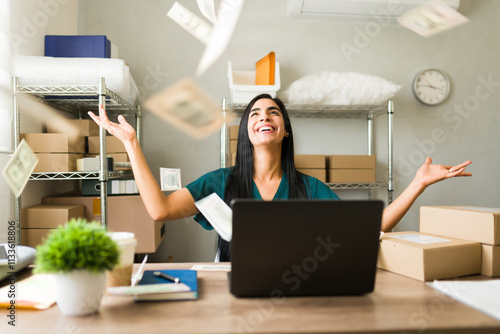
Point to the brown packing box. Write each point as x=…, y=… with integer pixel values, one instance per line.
x=352, y=176
x=49, y=215
x=352, y=161
x=233, y=159
x=233, y=131
x=54, y=142
x=491, y=260
x=34, y=236
x=113, y=145
x=56, y=162
x=310, y=161
x=233, y=144
x=85, y=127
x=318, y=173
x=125, y=214
x=464, y=222
x=427, y=257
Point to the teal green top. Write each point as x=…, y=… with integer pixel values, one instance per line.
x=215, y=182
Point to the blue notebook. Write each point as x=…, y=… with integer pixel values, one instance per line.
x=188, y=277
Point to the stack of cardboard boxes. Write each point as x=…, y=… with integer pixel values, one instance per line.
x=312, y=164
x=453, y=241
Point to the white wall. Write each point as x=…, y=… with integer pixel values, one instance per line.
x=30, y=21
x=160, y=52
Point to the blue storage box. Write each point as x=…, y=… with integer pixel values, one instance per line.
x=95, y=46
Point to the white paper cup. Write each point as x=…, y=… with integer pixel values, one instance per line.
x=122, y=274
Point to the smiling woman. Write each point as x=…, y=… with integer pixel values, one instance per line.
x=264, y=169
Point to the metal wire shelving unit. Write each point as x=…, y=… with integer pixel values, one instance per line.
x=368, y=112
x=76, y=100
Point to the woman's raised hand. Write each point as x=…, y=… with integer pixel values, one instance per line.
x=121, y=130
x=428, y=174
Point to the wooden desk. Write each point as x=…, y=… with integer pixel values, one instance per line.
x=398, y=305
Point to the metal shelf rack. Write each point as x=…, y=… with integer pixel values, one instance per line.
x=76, y=100
x=368, y=112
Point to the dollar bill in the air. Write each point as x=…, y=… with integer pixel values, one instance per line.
x=19, y=168
x=170, y=179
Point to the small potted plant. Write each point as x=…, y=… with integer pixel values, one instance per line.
x=78, y=254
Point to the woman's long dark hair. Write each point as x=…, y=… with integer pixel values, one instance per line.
x=240, y=183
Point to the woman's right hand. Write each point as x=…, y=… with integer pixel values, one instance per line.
x=121, y=130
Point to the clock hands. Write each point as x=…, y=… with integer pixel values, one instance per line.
x=431, y=86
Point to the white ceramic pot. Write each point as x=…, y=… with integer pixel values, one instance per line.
x=79, y=292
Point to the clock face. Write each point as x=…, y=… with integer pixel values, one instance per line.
x=431, y=86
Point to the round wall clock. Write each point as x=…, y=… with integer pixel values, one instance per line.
x=431, y=86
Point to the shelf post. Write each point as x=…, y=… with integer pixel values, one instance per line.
x=370, y=143
x=223, y=136
x=16, y=135
x=390, y=184
x=103, y=161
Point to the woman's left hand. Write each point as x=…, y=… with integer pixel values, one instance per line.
x=428, y=174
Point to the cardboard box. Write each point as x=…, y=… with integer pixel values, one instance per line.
x=233, y=145
x=463, y=222
x=310, y=161
x=491, y=260
x=352, y=176
x=427, y=257
x=88, y=46
x=233, y=131
x=34, y=236
x=56, y=162
x=85, y=127
x=352, y=161
x=125, y=214
x=49, y=215
x=113, y=145
x=318, y=173
x=54, y=142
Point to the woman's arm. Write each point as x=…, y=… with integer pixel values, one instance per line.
x=179, y=204
x=426, y=175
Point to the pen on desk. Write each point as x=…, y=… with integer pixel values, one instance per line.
x=166, y=276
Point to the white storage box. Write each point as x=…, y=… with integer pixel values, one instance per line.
x=242, y=85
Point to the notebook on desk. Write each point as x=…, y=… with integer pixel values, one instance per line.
x=304, y=247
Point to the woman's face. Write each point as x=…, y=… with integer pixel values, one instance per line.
x=265, y=123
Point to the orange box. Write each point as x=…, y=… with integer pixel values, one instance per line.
x=233, y=131
x=233, y=145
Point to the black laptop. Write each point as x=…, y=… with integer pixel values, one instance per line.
x=304, y=247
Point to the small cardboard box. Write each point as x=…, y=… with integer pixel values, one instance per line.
x=352, y=176
x=125, y=214
x=233, y=131
x=34, y=236
x=463, y=222
x=310, y=161
x=54, y=142
x=85, y=127
x=113, y=145
x=49, y=215
x=427, y=257
x=318, y=173
x=491, y=260
x=352, y=161
x=56, y=162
